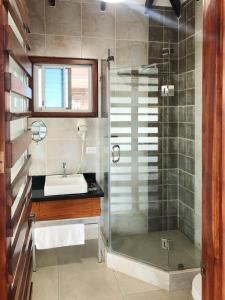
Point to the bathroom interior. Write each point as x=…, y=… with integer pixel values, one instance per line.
x=115, y=160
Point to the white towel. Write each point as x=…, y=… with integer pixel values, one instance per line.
x=59, y=236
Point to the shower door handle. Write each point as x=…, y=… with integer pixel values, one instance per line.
x=115, y=149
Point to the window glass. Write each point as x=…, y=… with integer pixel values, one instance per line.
x=54, y=87
x=64, y=88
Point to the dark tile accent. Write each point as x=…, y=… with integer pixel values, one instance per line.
x=170, y=34
x=182, y=114
x=182, y=162
x=155, y=49
x=190, y=114
x=190, y=10
x=190, y=29
x=182, y=49
x=190, y=165
x=186, y=229
x=155, y=224
x=156, y=34
x=186, y=197
x=182, y=65
x=155, y=17
x=172, y=208
x=172, y=192
x=170, y=129
x=191, y=97
x=155, y=209
x=172, y=114
x=170, y=20
x=190, y=148
x=182, y=130
x=182, y=97
x=190, y=131
x=182, y=81
x=190, y=44
x=182, y=146
x=190, y=65
x=169, y=161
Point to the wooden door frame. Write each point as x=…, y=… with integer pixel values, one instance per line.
x=213, y=153
x=3, y=235
x=213, y=189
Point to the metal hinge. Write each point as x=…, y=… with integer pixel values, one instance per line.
x=2, y=162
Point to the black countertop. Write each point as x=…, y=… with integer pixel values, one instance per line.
x=38, y=183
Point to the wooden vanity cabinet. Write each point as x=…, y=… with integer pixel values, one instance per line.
x=66, y=209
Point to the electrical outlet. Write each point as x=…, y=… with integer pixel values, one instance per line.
x=90, y=150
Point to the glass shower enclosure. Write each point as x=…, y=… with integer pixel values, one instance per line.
x=150, y=211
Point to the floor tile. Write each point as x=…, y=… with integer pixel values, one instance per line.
x=45, y=284
x=160, y=295
x=129, y=285
x=88, y=285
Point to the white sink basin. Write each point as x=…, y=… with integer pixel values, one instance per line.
x=59, y=185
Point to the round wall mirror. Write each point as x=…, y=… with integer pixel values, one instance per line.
x=39, y=131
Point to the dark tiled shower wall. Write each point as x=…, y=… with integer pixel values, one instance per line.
x=163, y=33
x=186, y=136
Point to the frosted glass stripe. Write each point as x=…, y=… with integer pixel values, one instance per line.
x=120, y=140
x=148, y=88
x=151, y=176
x=148, y=130
x=114, y=80
x=121, y=88
x=125, y=170
x=148, y=100
x=120, y=100
x=120, y=110
x=121, y=199
x=121, y=189
x=125, y=148
x=143, y=206
x=148, y=80
x=147, y=110
x=118, y=209
x=120, y=118
x=148, y=147
x=120, y=130
x=147, y=169
x=147, y=118
x=147, y=159
x=152, y=140
x=120, y=178
x=147, y=189
x=125, y=160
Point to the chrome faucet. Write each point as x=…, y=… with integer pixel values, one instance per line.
x=64, y=169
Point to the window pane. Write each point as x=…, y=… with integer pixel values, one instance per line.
x=81, y=90
x=54, y=87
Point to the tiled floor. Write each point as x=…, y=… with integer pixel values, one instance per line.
x=147, y=247
x=73, y=273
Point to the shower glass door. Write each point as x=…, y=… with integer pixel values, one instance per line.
x=138, y=221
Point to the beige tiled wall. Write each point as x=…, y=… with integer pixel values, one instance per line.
x=63, y=144
x=77, y=28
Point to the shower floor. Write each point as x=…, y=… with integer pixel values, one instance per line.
x=147, y=248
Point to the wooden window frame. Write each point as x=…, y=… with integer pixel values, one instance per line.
x=68, y=61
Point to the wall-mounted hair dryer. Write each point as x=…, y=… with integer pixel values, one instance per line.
x=82, y=128
x=82, y=132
